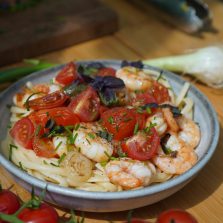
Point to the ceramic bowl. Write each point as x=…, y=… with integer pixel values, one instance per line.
x=204, y=115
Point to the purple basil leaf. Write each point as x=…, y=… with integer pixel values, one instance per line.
x=137, y=64
x=96, y=65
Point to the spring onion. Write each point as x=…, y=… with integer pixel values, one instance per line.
x=206, y=64
x=13, y=74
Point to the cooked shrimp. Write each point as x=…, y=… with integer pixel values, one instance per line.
x=130, y=174
x=159, y=122
x=90, y=144
x=181, y=159
x=171, y=121
x=134, y=78
x=190, y=132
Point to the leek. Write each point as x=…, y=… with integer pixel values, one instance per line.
x=206, y=64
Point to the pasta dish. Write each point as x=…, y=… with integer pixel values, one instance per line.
x=99, y=129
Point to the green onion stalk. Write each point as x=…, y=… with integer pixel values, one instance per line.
x=205, y=64
x=16, y=73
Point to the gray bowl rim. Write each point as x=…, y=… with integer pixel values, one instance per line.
x=153, y=189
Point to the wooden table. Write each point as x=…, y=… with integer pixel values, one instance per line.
x=143, y=36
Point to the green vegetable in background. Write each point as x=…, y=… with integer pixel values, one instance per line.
x=206, y=64
x=16, y=73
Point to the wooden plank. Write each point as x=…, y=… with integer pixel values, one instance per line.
x=51, y=25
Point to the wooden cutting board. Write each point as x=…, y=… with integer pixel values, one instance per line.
x=51, y=25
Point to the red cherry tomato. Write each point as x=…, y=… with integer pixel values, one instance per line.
x=176, y=216
x=140, y=119
x=160, y=93
x=9, y=202
x=67, y=75
x=119, y=121
x=142, y=146
x=44, y=147
x=52, y=100
x=142, y=99
x=22, y=132
x=106, y=71
x=43, y=214
x=86, y=105
x=102, y=109
x=61, y=115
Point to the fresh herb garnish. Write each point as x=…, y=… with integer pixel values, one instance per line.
x=105, y=135
x=136, y=128
x=58, y=146
x=21, y=166
x=72, y=138
x=26, y=104
x=53, y=164
x=175, y=110
x=61, y=158
x=37, y=130
x=148, y=128
x=44, y=161
x=110, y=157
x=160, y=76
x=77, y=126
x=11, y=146
x=91, y=135
x=148, y=110
x=111, y=120
x=121, y=154
x=88, y=141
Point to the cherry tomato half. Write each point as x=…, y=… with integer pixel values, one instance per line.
x=86, y=105
x=52, y=100
x=176, y=216
x=142, y=146
x=67, y=75
x=22, y=132
x=160, y=93
x=44, y=147
x=142, y=99
x=61, y=115
x=9, y=202
x=43, y=214
x=119, y=121
x=107, y=71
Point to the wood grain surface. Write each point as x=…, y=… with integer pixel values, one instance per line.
x=52, y=25
x=142, y=35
